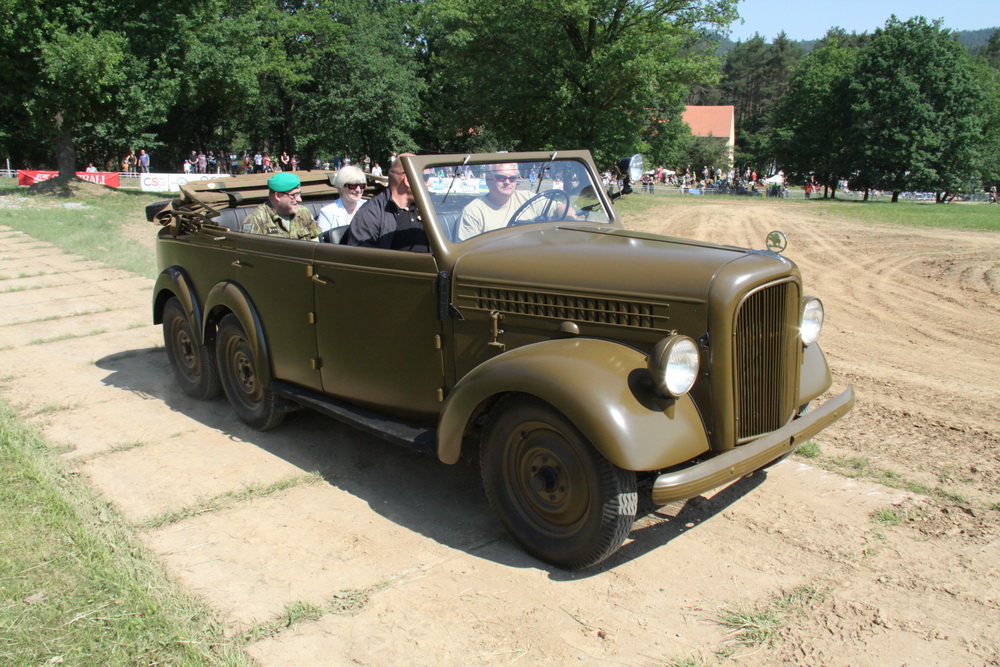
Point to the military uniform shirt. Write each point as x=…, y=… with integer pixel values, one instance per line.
x=265, y=220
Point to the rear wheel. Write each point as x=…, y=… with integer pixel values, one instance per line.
x=254, y=403
x=554, y=493
x=193, y=363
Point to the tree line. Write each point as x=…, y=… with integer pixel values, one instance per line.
x=906, y=108
x=87, y=81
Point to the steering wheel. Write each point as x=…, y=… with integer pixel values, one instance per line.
x=551, y=196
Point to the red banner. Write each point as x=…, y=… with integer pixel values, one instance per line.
x=109, y=178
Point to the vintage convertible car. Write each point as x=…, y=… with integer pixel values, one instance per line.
x=577, y=358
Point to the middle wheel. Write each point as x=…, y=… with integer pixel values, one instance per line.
x=254, y=403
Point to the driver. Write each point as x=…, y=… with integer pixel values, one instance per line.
x=497, y=207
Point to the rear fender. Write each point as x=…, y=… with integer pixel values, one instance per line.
x=229, y=297
x=601, y=386
x=174, y=282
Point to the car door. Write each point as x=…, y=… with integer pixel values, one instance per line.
x=276, y=272
x=379, y=336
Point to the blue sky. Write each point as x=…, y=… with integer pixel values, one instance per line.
x=811, y=20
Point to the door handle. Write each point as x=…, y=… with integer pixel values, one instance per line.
x=316, y=279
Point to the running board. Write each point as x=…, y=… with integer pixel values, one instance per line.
x=397, y=431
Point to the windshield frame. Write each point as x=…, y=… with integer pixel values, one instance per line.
x=447, y=250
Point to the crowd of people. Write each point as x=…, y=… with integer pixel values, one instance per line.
x=249, y=162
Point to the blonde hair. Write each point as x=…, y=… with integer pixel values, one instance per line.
x=349, y=174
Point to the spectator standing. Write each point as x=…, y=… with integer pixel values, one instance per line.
x=131, y=162
x=285, y=162
x=143, y=161
x=376, y=170
x=91, y=169
x=267, y=163
x=202, y=162
x=258, y=163
x=295, y=162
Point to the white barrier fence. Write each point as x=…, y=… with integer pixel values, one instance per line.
x=170, y=182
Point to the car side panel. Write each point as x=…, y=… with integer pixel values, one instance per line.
x=275, y=273
x=204, y=259
x=379, y=335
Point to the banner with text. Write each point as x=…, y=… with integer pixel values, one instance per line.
x=30, y=177
x=171, y=182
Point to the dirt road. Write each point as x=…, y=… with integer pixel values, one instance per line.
x=410, y=566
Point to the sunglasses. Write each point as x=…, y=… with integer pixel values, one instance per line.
x=352, y=186
x=500, y=178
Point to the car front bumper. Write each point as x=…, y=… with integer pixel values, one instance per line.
x=739, y=461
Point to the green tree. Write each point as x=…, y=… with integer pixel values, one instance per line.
x=555, y=73
x=754, y=79
x=810, y=123
x=84, y=73
x=917, y=111
x=991, y=52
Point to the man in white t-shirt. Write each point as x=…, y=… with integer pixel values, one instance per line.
x=495, y=209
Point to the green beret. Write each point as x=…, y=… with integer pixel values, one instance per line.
x=283, y=182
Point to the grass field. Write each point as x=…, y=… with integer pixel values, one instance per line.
x=90, y=224
x=79, y=588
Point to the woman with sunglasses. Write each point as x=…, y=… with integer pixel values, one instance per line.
x=350, y=183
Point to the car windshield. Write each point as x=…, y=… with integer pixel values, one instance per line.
x=475, y=199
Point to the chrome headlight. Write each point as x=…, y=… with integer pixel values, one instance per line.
x=673, y=364
x=812, y=320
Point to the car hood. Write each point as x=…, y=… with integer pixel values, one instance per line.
x=595, y=259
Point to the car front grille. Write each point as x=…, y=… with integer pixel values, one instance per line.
x=766, y=336
x=566, y=306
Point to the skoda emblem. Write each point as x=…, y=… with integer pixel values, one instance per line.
x=777, y=241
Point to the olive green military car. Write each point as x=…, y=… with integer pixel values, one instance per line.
x=577, y=358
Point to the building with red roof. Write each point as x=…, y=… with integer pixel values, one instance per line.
x=718, y=122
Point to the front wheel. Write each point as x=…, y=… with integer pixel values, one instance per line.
x=554, y=493
x=193, y=363
x=254, y=403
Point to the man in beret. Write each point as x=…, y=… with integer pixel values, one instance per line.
x=280, y=215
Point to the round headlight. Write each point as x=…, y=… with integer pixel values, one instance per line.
x=812, y=320
x=673, y=364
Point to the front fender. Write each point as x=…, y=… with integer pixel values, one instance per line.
x=814, y=375
x=601, y=386
x=173, y=281
x=229, y=296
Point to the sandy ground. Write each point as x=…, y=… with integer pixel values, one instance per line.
x=406, y=558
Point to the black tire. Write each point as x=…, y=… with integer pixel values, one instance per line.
x=193, y=364
x=554, y=493
x=254, y=403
